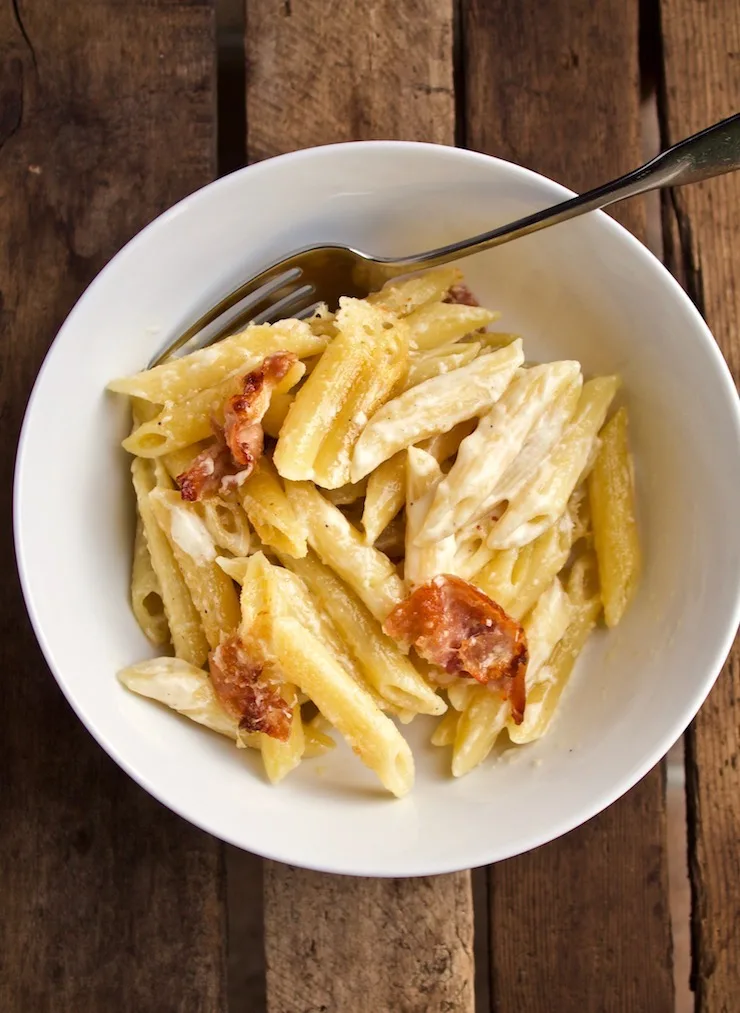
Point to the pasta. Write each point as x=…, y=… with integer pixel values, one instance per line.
x=434, y=406
x=340, y=546
x=184, y=624
x=146, y=592
x=612, y=496
x=378, y=513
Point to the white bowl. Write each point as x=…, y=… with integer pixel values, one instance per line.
x=584, y=290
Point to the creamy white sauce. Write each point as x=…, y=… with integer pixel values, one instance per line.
x=191, y=535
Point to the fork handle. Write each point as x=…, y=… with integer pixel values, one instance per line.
x=711, y=152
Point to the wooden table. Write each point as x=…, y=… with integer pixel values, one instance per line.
x=110, y=903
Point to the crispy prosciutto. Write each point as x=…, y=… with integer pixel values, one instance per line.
x=230, y=458
x=454, y=625
x=247, y=691
x=461, y=294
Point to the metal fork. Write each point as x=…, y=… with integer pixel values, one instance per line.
x=295, y=285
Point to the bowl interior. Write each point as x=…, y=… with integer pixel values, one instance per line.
x=585, y=290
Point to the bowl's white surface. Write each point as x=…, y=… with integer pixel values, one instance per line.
x=584, y=290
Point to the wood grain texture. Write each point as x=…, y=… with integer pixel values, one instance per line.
x=367, y=945
x=701, y=66
x=582, y=923
x=316, y=73
x=109, y=902
x=320, y=71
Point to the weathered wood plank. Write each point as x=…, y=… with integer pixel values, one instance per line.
x=366, y=945
x=701, y=67
x=379, y=70
x=582, y=923
x=320, y=71
x=109, y=902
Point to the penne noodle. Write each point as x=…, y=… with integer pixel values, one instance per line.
x=342, y=374
x=146, y=592
x=515, y=578
x=485, y=455
x=183, y=620
x=438, y=361
x=271, y=512
x=211, y=590
x=349, y=707
x=478, y=727
x=403, y=297
x=277, y=412
x=423, y=475
x=185, y=422
x=435, y=406
x=279, y=758
x=234, y=566
x=340, y=546
x=544, y=436
x=384, y=371
x=227, y=524
x=543, y=499
x=612, y=501
x=385, y=495
x=384, y=666
x=182, y=687
x=178, y=461
x=446, y=728
x=318, y=741
x=543, y=698
x=440, y=323
x=544, y=626
x=180, y=379
x=446, y=445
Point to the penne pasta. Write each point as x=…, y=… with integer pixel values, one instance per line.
x=279, y=758
x=271, y=512
x=342, y=377
x=182, y=687
x=485, y=455
x=183, y=620
x=438, y=361
x=435, y=406
x=182, y=378
x=612, y=500
x=543, y=499
x=478, y=728
x=405, y=296
x=544, y=436
x=318, y=741
x=384, y=666
x=543, y=698
x=439, y=323
x=277, y=412
x=178, y=461
x=212, y=591
x=515, y=578
x=146, y=592
x=440, y=450
x=349, y=707
x=384, y=371
x=227, y=524
x=385, y=495
x=184, y=422
x=340, y=546
x=423, y=475
x=446, y=728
